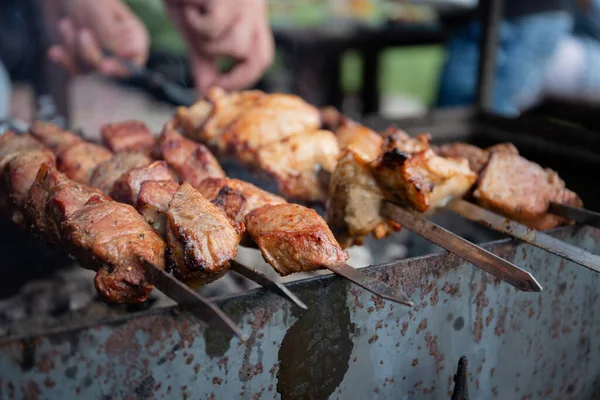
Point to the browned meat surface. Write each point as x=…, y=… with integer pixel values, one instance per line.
x=108, y=172
x=193, y=162
x=20, y=175
x=126, y=189
x=353, y=209
x=237, y=198
x=153, y=202
x=478, y=158
x=412, y=175
x=293, y=238
x=53, y=136
x=360, y=139
x=331, y=118
x=201, y=239
x=301, y=164
x=132, y=136
x=111, y=238
x=206, y=120
x=11, y=145
x=522, y=190
x=270, y=119
x=79, y=161
x=52, y=199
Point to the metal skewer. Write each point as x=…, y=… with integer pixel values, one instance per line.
x=519, y=231
x=266, y=282
x=371, y=284
x=576, y=214
x=201, y=307
x=481, y=258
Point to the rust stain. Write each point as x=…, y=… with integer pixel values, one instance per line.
x=415, y=361
x=432, y=346
x=373, y=339
x=499, y=330
x=489, y=318
x=422, y=326
x=404, y=328
x=216, y=381
x=481, y=301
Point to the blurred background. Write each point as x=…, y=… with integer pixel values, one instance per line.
x=370, y=56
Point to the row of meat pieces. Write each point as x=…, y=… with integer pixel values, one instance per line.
x=324, y=157
x=54, y=199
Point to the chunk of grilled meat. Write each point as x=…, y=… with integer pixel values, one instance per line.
x=201, y=239
x=237, y=198
x=112, y=239
x=53, y=136
x=522, y=190
x=366, y=143
x=153, y=202
x=412, y=175
x=206, y=119
x=293, y=238
x=269, y=119
x=19, y=176
x=193, y=162
x=478, y=158
x=130, y=136
x=108, y=172
x=353, y=208
x=127, y=188
x=79, y=161
x=12, y=146
x=301, y=164
x=52, y=199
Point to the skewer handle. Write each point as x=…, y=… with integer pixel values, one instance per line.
x=266, y=282
x=476, y=255
x=576, y=214
x=519, y=231
x=371, y=284
x=199, y=306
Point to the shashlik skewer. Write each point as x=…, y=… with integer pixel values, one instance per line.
x=576, y=214
x=122, y=177
x=371, y=169
x=193, y=163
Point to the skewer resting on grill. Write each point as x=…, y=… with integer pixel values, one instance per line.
x=196, y=255
x=190, y=160
x=370, y=169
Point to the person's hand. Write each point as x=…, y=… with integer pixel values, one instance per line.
x=237, y=29
x=95, y=27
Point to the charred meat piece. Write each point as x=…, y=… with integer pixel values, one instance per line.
x=301, y=164
x=52, y=199
x=293, y=238
x=353, y=209
x=478, y=158
x=153, y=202
x=79, y=161
x=522, y=190
x=201, y=239
x=361, y=140
x=127, y=188
x=206, y=120
x=112, y=238
x=270, y=119
x=133, y=136
x=237, y=198
x=412, y=175
x=108, y=172
x=53, y=136
x=19, y=176
x=193, y=162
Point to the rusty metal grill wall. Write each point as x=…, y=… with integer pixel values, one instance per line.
x=348, y=345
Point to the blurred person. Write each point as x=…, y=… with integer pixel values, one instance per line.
x=237, y=29
x=531, y=39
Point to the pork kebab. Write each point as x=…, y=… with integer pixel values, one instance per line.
x=287, y=246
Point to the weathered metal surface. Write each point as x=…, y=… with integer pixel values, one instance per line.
x=348, y=344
